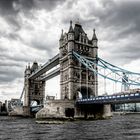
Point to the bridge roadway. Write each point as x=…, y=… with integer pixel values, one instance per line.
x=51, y=74
x=46, y=67
x=111, y=99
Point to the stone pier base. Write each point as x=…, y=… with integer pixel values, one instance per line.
x=56, y=109
x=107, y=111
x=17, y=111
x=65, y=109
x=26, y=111
x=93, y=111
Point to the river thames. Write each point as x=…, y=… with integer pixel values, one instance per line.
x=124, y=127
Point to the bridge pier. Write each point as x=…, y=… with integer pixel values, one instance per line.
x=26, y=111
x=57, y=109
x=66, y=109
x=107, y=110
x=96, y=111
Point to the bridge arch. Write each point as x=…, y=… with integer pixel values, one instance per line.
x=83, y=92
x=35, y=102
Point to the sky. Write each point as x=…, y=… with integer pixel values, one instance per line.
x=30, y=30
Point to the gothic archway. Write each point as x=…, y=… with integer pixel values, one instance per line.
x=35, y=103
x=83, y=92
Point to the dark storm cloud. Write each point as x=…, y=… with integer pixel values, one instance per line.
x=10, y=8
x=6, y=7
x=122, y=15
x=126, y=53
x=44, y=46
x=10, y=36
x=48, y=4
x=9, y=74
x=6, y=57
x=8, y=12
x=119, y=20
x=11, y=64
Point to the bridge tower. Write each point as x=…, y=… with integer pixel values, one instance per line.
x=34, y=89
x=75, y=78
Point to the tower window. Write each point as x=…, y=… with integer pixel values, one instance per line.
x=78, y=47
x=85, y=40
x=81, y=39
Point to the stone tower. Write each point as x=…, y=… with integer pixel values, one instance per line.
x=75, y=79
x=34, y=89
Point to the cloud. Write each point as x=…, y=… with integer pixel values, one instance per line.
x=10, y=9
x=30, y=30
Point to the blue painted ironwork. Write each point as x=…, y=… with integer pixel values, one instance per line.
x=91, y=64
x=111, y=99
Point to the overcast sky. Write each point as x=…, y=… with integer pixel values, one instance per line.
x=30, y=30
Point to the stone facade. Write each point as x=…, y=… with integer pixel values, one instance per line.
x=34, y=89
x=56, y=109
x=74, y=77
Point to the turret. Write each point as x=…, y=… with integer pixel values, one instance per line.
x=27, y=70
x=61, y=41
x=94, y=39
x=34, y=67
x=70, y=32
x=95, y=45
x=70, y=38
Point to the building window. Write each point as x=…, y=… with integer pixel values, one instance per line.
x=81, y=39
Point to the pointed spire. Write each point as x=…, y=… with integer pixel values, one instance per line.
x=77, y=22
x=71, y=28
x=28, y=65
x=62, y=36
x=94, y=35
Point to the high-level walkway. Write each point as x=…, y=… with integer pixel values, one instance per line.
x=46, y=67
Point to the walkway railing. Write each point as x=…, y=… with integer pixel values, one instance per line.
x=111, y=99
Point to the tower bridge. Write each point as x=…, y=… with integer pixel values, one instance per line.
x=79, y=68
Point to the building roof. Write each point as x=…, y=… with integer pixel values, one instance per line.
x=78, y=30
x=34, y=66
x=94, y=37
x=71, y=28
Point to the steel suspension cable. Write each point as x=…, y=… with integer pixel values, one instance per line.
x=89, y=64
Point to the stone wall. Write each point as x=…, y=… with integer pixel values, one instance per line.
x=55, y=109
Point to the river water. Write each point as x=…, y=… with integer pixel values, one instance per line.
x=126, y=127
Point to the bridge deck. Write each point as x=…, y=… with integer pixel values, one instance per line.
x=51, y=74
x=112, y=99
x=46, y=67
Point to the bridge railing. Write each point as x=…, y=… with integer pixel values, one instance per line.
x=111, y=99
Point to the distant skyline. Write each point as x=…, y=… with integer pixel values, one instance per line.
x=30, y=30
